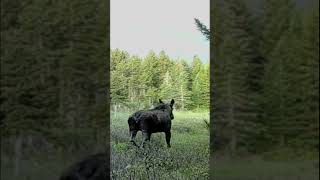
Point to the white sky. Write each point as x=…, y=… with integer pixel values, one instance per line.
x=138, y=26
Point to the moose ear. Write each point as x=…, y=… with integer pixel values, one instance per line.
x=160, y=101
x=172, y=102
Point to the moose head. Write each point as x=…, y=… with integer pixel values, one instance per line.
x=168, y=107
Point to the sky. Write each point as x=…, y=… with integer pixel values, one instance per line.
x=138, y=26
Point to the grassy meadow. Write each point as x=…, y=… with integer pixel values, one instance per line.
x=188, y=158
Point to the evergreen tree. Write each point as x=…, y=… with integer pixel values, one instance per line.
x=202, y=28
x=195, y=68
x=310, y=78
x=233, y=109
x=117, y=56
x=119, y=83
x=167, y=87
x=275, y=22
x=279, y=91
x=204, y=83
x=152, y=78
x=290, y=74
x=48, y=49
x=164, y=64
x=181, y=82
x=135, y=83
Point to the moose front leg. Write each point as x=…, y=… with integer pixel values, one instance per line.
x=145, y=137
x=168, y=137
x=133, y=136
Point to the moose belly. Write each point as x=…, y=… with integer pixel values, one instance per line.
x=154, y=123
x=161, y=127
x=155, y=127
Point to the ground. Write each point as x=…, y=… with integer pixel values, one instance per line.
x=188, y=158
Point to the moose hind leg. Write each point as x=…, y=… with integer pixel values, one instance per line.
x=168, y=137
x=133, y=136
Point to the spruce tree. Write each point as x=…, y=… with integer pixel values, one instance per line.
x=181, y=82
x=234, y=113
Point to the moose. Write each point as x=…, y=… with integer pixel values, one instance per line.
x=151, y=121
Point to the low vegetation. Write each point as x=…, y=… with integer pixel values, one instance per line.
x=188, y=158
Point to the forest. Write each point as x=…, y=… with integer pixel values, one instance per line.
x=54, y=79
x=265, y=76
x=138, y=82
x=265, y=86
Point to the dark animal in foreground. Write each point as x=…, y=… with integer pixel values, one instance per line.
x=94, y=167
x=151, y=121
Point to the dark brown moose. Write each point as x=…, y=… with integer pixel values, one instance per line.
x=151, y=121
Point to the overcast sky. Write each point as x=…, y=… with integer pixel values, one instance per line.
x=138, y=26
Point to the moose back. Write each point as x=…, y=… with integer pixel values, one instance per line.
x=151, y=121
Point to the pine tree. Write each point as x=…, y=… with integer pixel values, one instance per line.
x=195, y=68
x=181, y=82
x=152, y=78
x=204, y=83
x=289, y=82
x=166, y=87
x=202, y=28
x=275, y=22
x=119, y=83
x=233, y=111
x=308, y=82
x=279, y=91
x=57, y=45
x=164, y=64
x=117, y=56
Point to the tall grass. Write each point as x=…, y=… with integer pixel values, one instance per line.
x=188, y=158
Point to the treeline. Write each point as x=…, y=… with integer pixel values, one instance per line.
x=53, y=76
x=266, y=76
x=138, y=82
